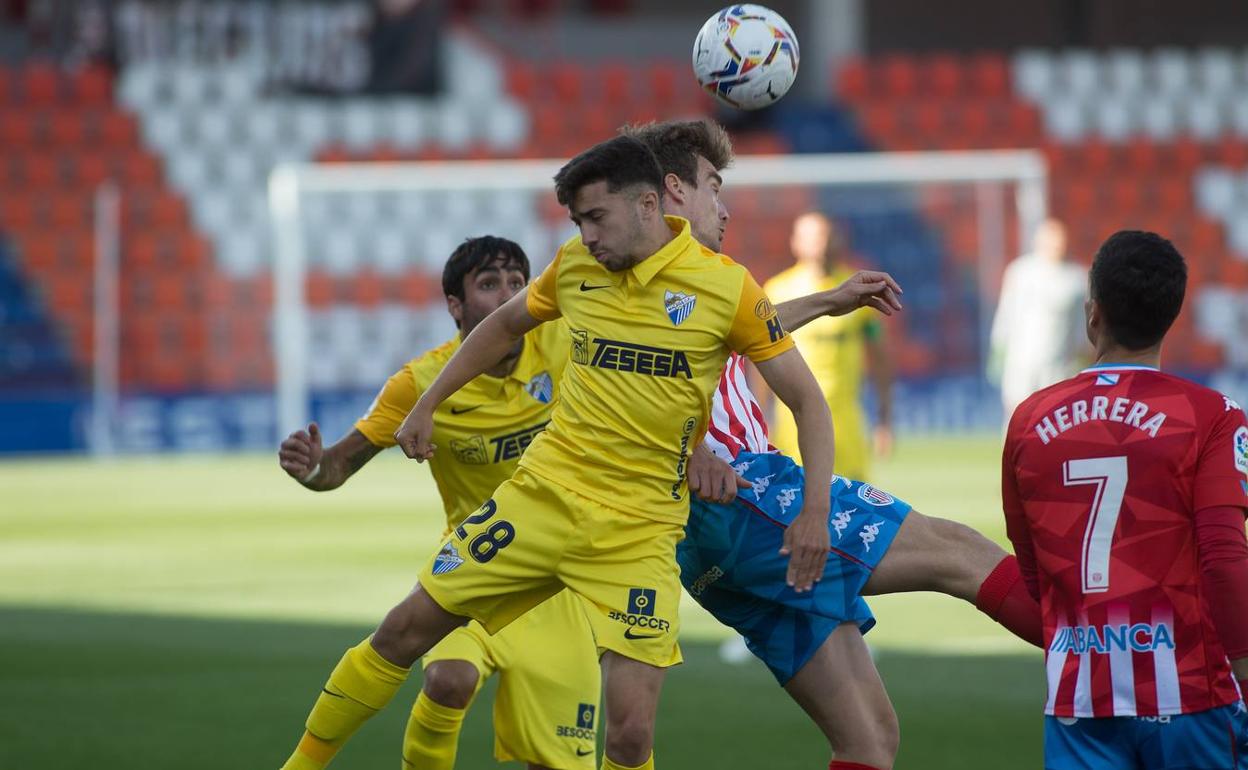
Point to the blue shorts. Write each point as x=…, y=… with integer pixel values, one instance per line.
x=1216, y=739
x=731, y=565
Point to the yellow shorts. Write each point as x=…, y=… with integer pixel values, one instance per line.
x=849, y=425
x=548, y=682
x=535, y=537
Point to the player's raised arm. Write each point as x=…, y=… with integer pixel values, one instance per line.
x=806, y=541
x=486, y=346
x=865, y=288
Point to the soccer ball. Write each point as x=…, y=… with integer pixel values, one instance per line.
x=746, y=56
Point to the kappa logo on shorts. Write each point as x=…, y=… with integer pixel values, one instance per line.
x=840, y=522
x=584, y=729
x=868, y=534
x=446, y=560
x=877, y=497
x=760, y=485
x=786, y=498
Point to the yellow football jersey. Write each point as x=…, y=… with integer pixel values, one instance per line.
x=834, y=347
x=482, y=429
x=647, y=346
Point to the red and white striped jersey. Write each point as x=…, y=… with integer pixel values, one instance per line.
x=1102, y=476
x=736, y=423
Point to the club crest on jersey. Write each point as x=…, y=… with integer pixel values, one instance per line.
x=877, y=497
x=1241, y=449
x=1107, y=379
x=678, y=305
x=446, y=560
x=541, y=388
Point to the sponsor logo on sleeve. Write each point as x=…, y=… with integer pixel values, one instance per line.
x=447, y=560
x=764, y=309
x=1241, y=449
x=1230, y=404
x=678, y=305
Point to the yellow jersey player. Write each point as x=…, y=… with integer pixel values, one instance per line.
x=543, y=719
x=599, y=500
x=836, y=348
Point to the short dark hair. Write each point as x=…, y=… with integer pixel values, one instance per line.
x=475, y=253
x=677, y=143
x=1138, y=279
x=621, y=161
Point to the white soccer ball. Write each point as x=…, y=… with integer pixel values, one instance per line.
x=746, y=56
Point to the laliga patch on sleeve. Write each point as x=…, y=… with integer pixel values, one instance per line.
x=1240, y=445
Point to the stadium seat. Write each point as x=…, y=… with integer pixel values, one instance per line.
x=40, y=84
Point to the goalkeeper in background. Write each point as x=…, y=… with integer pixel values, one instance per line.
x=548, y=693
x=836, y=348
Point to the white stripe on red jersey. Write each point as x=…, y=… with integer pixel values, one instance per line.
x=737, y=423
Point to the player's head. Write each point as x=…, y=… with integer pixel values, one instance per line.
x=612, y=194
x=1136, y=288
x=691, y=154
x=481, y=274
x=815, y=241
x=1050, y=240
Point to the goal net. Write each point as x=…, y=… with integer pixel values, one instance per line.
x=359, y=249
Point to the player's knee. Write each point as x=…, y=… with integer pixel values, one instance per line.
x=451, y=683
x=630, y=740
x=876, y=745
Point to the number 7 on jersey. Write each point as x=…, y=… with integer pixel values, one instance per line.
x=1109, y=474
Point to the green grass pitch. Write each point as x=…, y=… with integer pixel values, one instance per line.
x=184, y=611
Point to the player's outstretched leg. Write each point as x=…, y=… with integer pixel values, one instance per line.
x=632, y=704
x=432, y=737
x=842, y=692
x=932, y=554
x=368, y=676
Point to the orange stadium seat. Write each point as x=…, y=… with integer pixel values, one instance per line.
x=18, y=212
x=18, y=130
x=852, y=81
x=91, y=86
x=117, y=130
x=566, y=82
x=66, y=128
x=989, y=75
x=897, y=76
x=40, y=84
x=942, y=76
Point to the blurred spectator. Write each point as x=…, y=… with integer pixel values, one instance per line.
x=835, y=348
x=404, y=46
x=1038, y=332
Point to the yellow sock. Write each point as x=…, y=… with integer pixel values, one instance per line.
x=607, y=764
x=361, y=684
x=432, y=737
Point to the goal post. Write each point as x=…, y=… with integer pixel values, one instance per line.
x=1001, y=195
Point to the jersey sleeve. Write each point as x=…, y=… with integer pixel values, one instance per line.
x=1016, y=528
x=543, y=297
x=389, y=409
x=1222, y=465
x=756, y=331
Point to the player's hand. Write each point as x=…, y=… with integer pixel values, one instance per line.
x=806, y=543
x=301, y=452
x=414, y=435
x=710, y=478
x=866, y=288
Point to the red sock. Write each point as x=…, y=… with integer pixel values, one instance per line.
x=838, y=765
x=1003, y=597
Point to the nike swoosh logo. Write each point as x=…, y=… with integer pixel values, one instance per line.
x=457, y=410
x=588, y=287
x=628, y=634
x=584, y=753
x=335, y=694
